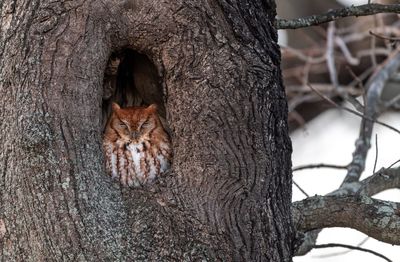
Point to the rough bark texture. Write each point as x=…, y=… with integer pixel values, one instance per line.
x=228, y=195
x=351, y=206
x=376, y=218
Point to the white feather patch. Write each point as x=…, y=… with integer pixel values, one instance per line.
x=114, y=168
x=137, y=155
x=164, y=164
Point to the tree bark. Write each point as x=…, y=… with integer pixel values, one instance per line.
x=376, y=218
x=228, y=195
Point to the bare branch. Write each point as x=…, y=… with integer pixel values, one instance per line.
x=384, y=37
x=307, y=67
x=346, y=52
x=298, y=168
x=323, y=88
x=372, y=108
x=353, y=111
x=376, y=218
x=343, y=252
x=376, y=152
x=354, y=37
x=353, y=248
x=301, y=189
x=351, y=185
x=330, y=55
x=373, y=52
x=299, y=54
x=380, y=181
x=361, y=10
x=392, y=102
x=297, y=117
x=392, y=165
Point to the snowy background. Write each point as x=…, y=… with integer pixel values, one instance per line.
x=330, y=139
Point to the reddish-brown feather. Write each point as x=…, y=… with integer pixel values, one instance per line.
x=136, y=159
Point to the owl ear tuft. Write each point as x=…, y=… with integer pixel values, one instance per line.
x=115, y=107
x=152, y=108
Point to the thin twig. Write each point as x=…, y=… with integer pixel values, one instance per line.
x=384, y=37
x=344, y=252
x=356, y=79
x=299, y=54
x=330, y=101
x=354, y=248
x=356, y=37
x=330, y=55
x=297, y=117
x=372, y=110
x=298, y=168
x=373, y=51
x=364, y=75
x=357, y=105
x=346, y=52
x=372, y=55
x=301, y=189
x=322, y=87
x=361, y=10
x=398, y=161
x=392, y=101
x=376, y=152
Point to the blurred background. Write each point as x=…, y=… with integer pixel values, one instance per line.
x=337, y=59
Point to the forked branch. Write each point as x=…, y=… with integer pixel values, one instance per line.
x=372, y=109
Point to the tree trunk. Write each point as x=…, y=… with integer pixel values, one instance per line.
x=228, y=194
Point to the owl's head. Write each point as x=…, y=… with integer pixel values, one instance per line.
x=134, y=124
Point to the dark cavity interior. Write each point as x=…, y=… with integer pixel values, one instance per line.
x=131, y=79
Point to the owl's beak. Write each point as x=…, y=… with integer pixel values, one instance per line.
x=135, y=134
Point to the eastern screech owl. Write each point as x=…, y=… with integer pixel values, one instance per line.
x=137, y=148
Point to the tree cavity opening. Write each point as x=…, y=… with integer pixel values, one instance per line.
x=131, y=79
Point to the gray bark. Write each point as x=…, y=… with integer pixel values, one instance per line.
x=376, y=218
x=228, y=194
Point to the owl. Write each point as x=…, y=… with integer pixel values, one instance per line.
x=136, y=146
